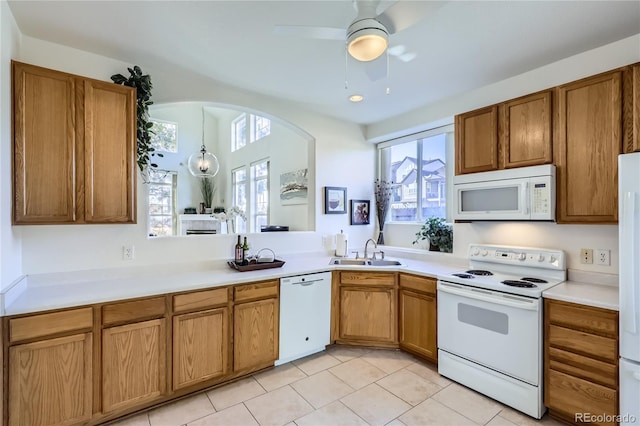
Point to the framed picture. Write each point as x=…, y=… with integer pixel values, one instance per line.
x=335, y=200
x=294, y=187
x=360, y=212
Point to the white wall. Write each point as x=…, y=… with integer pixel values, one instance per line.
x=343, y=158
x=570, y=238
x=10, y=242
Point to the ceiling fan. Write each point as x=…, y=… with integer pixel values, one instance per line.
x=367, y=37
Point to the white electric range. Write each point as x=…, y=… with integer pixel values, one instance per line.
x=490, y=322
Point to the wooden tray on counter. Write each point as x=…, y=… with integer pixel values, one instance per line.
x=255, y=266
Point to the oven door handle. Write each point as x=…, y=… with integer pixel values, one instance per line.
x=487, y=296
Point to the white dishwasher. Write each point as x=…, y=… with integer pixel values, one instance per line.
x=305, y=315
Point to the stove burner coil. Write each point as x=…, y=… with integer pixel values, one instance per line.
x=517, y=283
x=534, y=280
x=480, y=272
x=463, y=275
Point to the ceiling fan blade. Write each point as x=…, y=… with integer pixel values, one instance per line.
x=326, y=33
x=404, y=14
x=407, y=57
x=396, y=50
x=377, y=69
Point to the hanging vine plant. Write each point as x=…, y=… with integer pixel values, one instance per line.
x=143, y=86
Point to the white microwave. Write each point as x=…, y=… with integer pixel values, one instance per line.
x=524, y=193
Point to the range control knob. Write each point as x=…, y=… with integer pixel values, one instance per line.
x=485, y=252
x=521, y=256
x=476, y=251
x=552, y=259
x=540, y=258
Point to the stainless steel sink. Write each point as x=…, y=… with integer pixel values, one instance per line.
x=349, y=262
x=383, y=263
x=363, y=262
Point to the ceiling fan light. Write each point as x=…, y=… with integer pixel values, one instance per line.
x=367, y=39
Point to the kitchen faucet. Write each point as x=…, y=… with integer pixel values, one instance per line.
x=375, y=246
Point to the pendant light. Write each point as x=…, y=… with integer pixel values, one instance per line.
x=203, y=164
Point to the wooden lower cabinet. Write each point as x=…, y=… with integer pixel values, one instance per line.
x=367, y=309
x=255, y=334
x=200, y=347
x=417, y=316
x=581, y=361
x=133, y=364
x=50, y=381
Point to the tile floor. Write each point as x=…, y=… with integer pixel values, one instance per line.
x=341, y=386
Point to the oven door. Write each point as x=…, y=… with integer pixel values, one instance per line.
x=498, y=330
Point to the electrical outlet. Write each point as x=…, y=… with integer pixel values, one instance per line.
x=586, y=256
x=128, y=253
x=603, y=257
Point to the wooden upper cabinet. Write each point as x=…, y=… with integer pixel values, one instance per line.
x=635, y=90
x=589, y=140
x=525, y=130
x=44, y=152
x=632, y=108
x=74, y=148
x=477, y=140
x=109, y=166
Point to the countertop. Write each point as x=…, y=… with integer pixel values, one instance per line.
x=41, y=292
x=34, y=293
x=593, y=289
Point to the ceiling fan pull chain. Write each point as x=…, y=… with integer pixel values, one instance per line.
x=346, y=60
x=388, y=90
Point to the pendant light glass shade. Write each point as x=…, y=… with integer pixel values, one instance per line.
x=203, y=164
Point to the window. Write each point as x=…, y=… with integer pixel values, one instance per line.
x=239, y=132
x=239, y=194
x=418, y=164
x=259, y=127
x=164, y=135
x=162, y=199
x=259, y=195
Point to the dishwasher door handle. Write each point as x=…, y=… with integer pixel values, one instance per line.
x=306, y=283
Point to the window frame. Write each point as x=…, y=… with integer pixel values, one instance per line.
x=253, y=195
x=448, y=130
x=174, y=200
x=235, y=145
x=158, y=120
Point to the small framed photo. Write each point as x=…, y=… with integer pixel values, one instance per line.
x=335, y=200
x=360, y=212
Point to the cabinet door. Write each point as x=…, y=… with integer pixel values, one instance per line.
x=589, y=141
x=477, y=140
x=526, y=130
x=418, y=323
x=133, y=364
x=367, y=314
x=50, y=381
x=109, y=141
x=44, y=145
x=200, y=346
x=255, y=334
x=635, y=92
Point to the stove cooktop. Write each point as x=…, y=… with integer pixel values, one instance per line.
x=517, y=270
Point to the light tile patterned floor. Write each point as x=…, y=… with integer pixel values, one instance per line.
x=341, y=386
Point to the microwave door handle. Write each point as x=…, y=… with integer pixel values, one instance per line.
x=527, y=196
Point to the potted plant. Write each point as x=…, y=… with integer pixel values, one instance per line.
x=207, y=189
x=143, y=86
x=439, y=234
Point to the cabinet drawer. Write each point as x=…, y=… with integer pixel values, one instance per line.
x=48, y=324
x=592, y=320
x=132, y=311
x=586, y=344
x=422, y=284
x=262, y=290
x=367, y=278
x=580, y=366
x=200, y=300
x=571, y=395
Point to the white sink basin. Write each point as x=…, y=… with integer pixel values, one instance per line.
x=363, y=262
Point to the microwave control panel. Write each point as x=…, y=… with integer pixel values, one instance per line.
x=540, y=202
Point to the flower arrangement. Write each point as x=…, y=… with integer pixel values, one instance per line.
x=439, y=234
x=383, y=192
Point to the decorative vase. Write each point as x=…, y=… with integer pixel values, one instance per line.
x=433, y=247
x=380, y=238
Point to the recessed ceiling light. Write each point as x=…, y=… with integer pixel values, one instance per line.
x=356, y=98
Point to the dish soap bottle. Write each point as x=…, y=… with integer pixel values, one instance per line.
x=238, y=253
